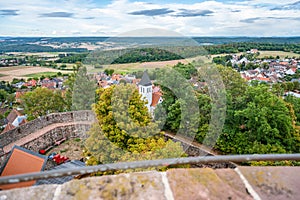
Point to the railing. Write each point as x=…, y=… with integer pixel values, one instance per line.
x=146, y=164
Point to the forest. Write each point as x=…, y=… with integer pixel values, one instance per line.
x=258, y=119
x=151, y=54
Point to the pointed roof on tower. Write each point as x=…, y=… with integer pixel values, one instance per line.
x=145, y=81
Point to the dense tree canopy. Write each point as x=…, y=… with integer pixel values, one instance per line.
x=262, y=123
x=42, y=101
x=295, y=103
x=258, y=119
x=125, y=130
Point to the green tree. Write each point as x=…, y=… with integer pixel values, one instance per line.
x=42, y=101
x=262, y=123
x=109, y=72
x=295, y=102
x=125, y=130
x=83, y=94
x=70, y=86
x=187, y=70
x=3, y=95
x=10, y=99
x=63, y=66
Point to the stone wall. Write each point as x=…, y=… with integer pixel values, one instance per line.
x=79, y=130
x=274, y=183
x=42, y=122
x=49, y=138
x=192, y=150
x=56, y=134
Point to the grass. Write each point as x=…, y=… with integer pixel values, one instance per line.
x=281, y=54
x=131, y=67
x=38, y=75
x=2, y=75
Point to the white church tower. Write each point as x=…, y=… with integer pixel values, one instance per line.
x=145, y=89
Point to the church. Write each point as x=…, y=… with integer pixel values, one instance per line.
x=150, y=93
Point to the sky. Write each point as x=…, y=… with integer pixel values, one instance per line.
x=121, y=17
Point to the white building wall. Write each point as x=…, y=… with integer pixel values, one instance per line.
x=146, y=92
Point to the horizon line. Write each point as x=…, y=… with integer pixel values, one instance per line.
x=195, y=36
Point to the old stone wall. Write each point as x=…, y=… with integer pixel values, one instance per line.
x=79, y=130
x=56, y=134
x=42, y=122
x=50, y=137
x=274, y=183
x=192, y=150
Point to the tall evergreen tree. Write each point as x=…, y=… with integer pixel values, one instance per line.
x=83, y=90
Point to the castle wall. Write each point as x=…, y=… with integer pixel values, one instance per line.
x=78, y=130
x=42, y=122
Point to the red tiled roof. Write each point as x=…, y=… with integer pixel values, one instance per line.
x=49, y=84
x=8, y=127
x=116, y=77
x=22, y=161
x=135, y=81
x=283, y=63
x=155, y=98
x=264, y=79
x=19, y=94
x=13, y=115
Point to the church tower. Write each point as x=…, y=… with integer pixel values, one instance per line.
x=145, y=89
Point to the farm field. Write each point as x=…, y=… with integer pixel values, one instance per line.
x=9, y=73
x=38, y=75
x=130, y=67
x=282, y=54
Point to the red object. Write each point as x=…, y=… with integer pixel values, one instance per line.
x=42, y=151
x=60, y=159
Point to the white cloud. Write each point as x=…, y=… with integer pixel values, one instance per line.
x=208, y=18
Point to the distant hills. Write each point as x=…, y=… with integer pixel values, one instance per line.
x=143, y=40
x=84, y=44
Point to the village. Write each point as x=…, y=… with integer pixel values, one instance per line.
x=267, y=70
x=16, y=117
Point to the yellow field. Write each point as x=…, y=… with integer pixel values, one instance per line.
x=9, y=73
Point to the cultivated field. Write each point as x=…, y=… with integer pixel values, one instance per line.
x=130, y=67
x=9, y=73
x=282, y=54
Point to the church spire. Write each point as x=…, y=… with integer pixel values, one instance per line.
x=145, y=81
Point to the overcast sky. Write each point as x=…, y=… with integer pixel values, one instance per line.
x=111, y=18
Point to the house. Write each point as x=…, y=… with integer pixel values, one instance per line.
x=14, y=119
x=243, y=60
x=21, y=161
x=19, y=95
x=116, y=77
x=291, y=71
x=297, y=95
x=31, y=83
x=47, y=83
x=254, y=51
x=130, y=78
x=58, y=81
x=18, y=85
x=151, y=94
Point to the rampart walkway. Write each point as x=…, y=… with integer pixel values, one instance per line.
x=41, y=132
